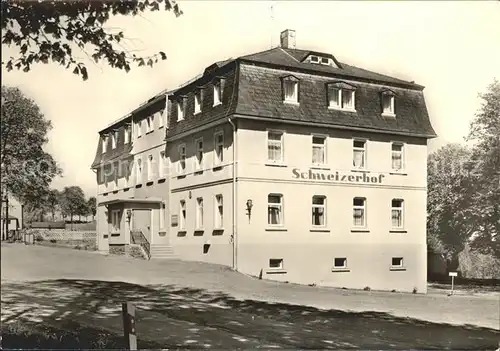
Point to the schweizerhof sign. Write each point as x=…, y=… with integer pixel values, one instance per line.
x=337, y=176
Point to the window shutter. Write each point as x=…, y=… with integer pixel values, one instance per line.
x=282, y=89
x=395, y=102
x=381, y=97
x=222, y=88
x=298, y=91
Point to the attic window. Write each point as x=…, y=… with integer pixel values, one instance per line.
x=114, y=138
x=388, y=97
x=104, y=143
x=314, y=59
x=341, y=96
x=325, y=61
x=218, y=90
x=320, y=60
x=197, y=100
x=181, y=109
x=290, y=89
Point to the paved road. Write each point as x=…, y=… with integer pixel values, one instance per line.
x=182, y=304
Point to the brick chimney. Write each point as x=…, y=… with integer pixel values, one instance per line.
x=287, y=39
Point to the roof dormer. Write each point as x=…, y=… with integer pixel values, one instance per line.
x=319, y=59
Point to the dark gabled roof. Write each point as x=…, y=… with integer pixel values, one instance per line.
x=260, y=95
x=293, y=59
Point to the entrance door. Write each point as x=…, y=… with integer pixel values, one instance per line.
x=141, y=221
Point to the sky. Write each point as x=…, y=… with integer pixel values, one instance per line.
x=451, y=48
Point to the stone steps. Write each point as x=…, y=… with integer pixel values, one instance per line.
x=162, y=251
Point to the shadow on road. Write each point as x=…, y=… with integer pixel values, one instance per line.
x=173, y=317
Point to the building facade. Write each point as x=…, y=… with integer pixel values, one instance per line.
x=15, y=215
x=290, y=165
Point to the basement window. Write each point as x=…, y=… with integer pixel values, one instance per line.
x=276, y=263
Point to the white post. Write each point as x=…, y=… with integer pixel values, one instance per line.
x=452, y=275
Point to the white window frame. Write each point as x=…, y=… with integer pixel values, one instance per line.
x=401, y=210
x=180, y=110
x=182, y=157
x=281, y=263
x=324, y=146
x=282, y=144
x=340, y=98
x=114, y=139
x=279, y=205
x=401, y=265
x=150, y=167
x=364, y=149
x=198, y=100
x=161, y=120
x=182, y=214
x=402, y=153
x=314, y=59
x=138, y=171
x=199, y=213
x=199, y=152
x=217, y=92
x=161, y=164
x=218, y=146
x=318, y=206
x=115, y=178
x=359, y=207
x=104, y=143
x=139, y=128
x=388, y=112
x=295, y=98
x=127, y=132
x=115, y=221
x=128, y=172
x=343, y=266
x=219, y=215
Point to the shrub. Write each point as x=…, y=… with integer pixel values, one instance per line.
x=476, y=265
x=366, y=288
x=53, y=241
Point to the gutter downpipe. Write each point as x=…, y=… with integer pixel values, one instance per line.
x=235, y=194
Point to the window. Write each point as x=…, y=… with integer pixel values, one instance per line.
x=199, y=153
x=128, y=171
x=276, y=263
x=325, y=61
x=150, y=167
x=318, y=150
x=388, y=103
x=397, y=262
x=182, y=215
x=397, y=156
x=314, y=59
x=182, y=158
x=180, y=110
x=139, y=128
x=397, y=213
x=115, y=176
x=340, y=262
x=197, y=101
x=275, y=209
x=341, y=96
x=139, y=171
x=199, y=213
x=218, y=91
x=150, y=123
x=104, y=143
x=319, y=211
x=114, y=138
x=275, y=146
x=219, y=211
x=161, y=119
x=219, y=147
x=162, y=215
x=290, y=89
x=161, y=165
x=359, y=212
x=115, y=221
x=128, y=133
x=359, y=154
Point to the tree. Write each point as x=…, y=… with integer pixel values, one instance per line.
x=26, y=169
x=72, y=201
x=449, y=207
x=52, y=202
x=92, y=204
x=46, y=31
x=485, y=135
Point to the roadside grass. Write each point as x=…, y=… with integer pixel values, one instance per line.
x=69, y=335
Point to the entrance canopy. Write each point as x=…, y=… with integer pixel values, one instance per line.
x=147, y=200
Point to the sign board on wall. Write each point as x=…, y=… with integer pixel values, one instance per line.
x=337, y=176
x=174, y=220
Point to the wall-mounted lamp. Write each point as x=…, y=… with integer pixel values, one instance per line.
x=249, y=208
x=189, y=194
x=129, y=215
